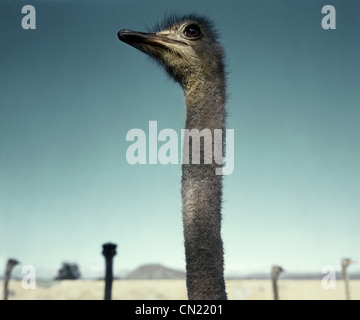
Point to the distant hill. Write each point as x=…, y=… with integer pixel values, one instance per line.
x=293, y=276
x=155, y=271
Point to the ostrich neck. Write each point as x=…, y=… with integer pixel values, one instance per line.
x=346, y=280
x=205, y=102
x=275, y=288
x=201, y=196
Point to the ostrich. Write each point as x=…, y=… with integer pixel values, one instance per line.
x=275, y=272
x=109, y=251
x=345, y=263
x=9, y=266
x=188, y=49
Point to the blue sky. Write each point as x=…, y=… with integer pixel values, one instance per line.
x=70, y=91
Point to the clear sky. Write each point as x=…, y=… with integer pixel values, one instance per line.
x=70, y=91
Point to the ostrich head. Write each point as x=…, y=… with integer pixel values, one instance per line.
x=10, y=264
x=186, y=47
x=275, y=271
x=346, y=262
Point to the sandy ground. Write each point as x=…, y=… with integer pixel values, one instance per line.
x=176, y=290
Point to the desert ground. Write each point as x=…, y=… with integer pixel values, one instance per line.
x=176, y=290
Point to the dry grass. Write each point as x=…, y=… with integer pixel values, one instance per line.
x=176, y=290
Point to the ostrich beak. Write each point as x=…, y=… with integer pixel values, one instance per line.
x=129, y=36
x=134, y=37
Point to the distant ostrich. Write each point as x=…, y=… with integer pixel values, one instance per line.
x=275, y=272
x=10, y=265
x=345, y=263
x=188, y=49
x=109, y=251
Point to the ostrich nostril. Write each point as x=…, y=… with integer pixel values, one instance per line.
x=121, y=34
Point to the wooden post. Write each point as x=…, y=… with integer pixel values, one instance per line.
x=109, y=251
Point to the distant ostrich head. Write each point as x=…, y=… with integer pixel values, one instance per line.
x=346, y=262
x=275, y=271
x=186, y=46
x=12, y=263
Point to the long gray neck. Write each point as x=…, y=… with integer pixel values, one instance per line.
x=346, y=280
x=275, y=287
x=202, y=195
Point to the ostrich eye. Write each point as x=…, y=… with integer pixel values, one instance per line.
x=192, y=31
